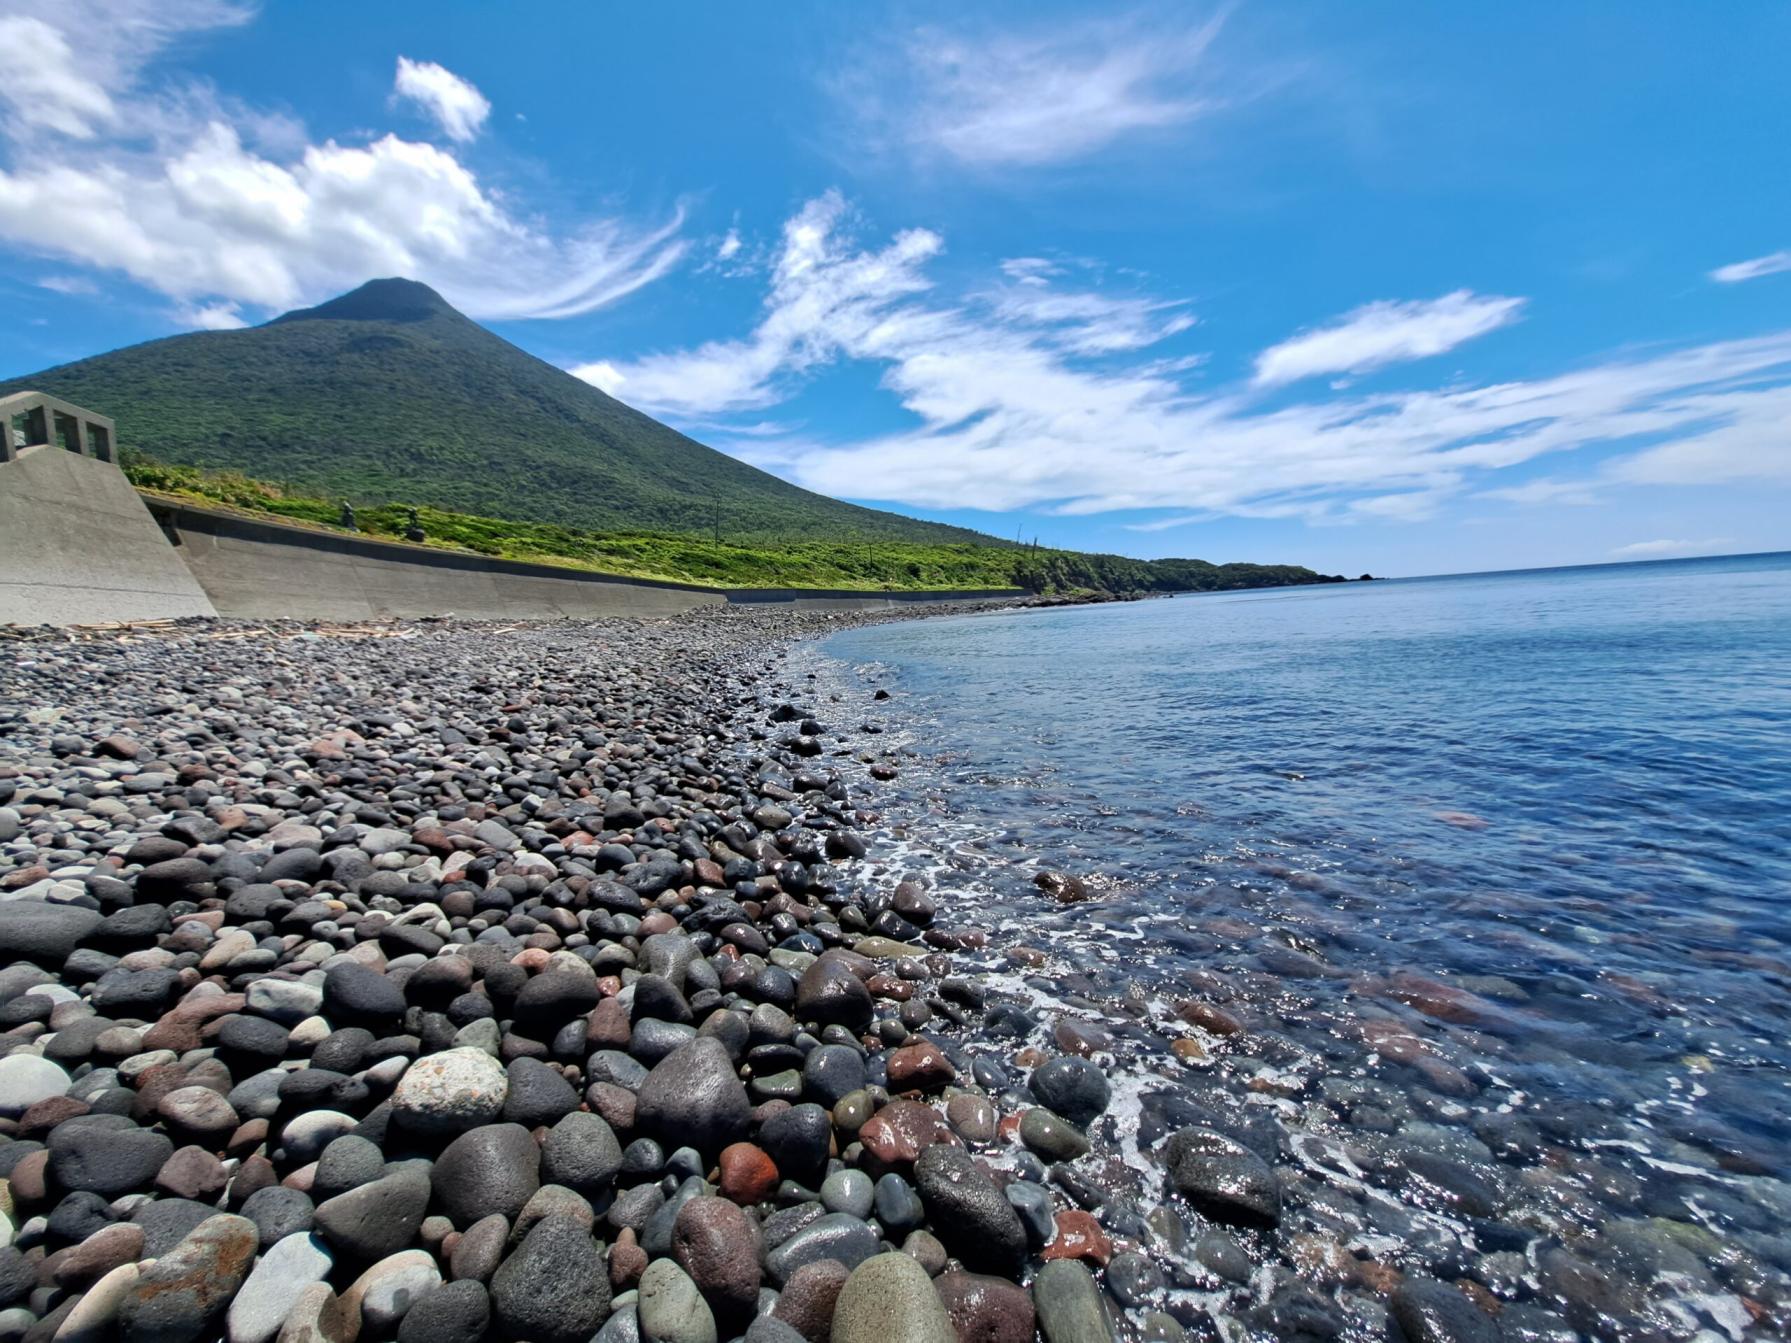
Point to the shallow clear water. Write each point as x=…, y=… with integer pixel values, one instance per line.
x=1547, y=812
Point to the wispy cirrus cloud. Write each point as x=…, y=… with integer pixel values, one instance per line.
x=1023, y=99
x=223, y=208
x=1010, y=409
x=1669, y=549
x=1547, y=490
x=1388, y=332
x=1773, y=263
x=455, y=104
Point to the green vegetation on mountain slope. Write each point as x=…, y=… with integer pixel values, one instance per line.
x=883, y=565
x=388, y=394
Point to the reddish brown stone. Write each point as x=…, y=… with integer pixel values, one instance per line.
x=1377, y=1277
x=1079, y=1236
x=180, y=1036
x=1063, y=887
x=900, y=1131
x=256, y=1172
x=80, y=1266
x=748, y=1175
x=615, y=1104
x=717, y=1243
x=891, y=988
x=986, y=1309
x=29, y=1181
x=607, y=1027
x=48, y=1113
x=192, y=1172
x=627, y=1261
x=1078, y=1037
x=920, y=1067
x=1209, y=1017
x=808, y=1298
x=249, y=1135
x=436, y=840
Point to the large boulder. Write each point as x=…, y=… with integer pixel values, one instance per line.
x=496, y=1168
x=555, y=1288
x=1222, y=1178
x=35, y=930
x=890, y=1299
x=969, y=1213
x=450, y=1092
x=830, y=993
x=183, y=1295
x=692, y=1098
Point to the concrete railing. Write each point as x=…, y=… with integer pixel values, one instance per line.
x=28, y=419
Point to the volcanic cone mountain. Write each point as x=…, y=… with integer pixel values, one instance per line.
x=388, y=394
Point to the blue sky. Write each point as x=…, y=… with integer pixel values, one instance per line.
x=1400, y=288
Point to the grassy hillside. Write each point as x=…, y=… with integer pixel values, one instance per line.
x=865, y=565
x=388, y=394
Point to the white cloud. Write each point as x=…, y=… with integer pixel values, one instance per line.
x=1773, y=263
x=221, y=207
x=1011, y=410
x=456, y=105
x=1164, y=524
x=1056, y=94
x=68, y=284
x=1090, y=323
x=823, y=299
x=211, y=317
x=1383, y=333
x=1657, y=550
x=44, y=85
x=1547, y=490
x=730, y=246
x=1035, y=271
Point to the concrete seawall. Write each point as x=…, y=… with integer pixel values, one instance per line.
x=78, y=546
x=254, y=569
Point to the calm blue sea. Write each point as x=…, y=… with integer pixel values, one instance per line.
x=1562, y=795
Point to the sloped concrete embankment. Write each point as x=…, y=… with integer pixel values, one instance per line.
x=77, y=545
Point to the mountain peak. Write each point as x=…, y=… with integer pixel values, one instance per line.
x=390, y=300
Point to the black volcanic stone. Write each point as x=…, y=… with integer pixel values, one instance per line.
x=797, y=1140
x=1072, y=1087
x=830, y=994
x=279, y=1212
x=354, y=993
x=374, y=1220
x=108, y=1159
x=555, y=1287
x=692, y=1098
x=343, y=1050
x=35, y=930
x=554, y=998
x=538, y=1095
x=1223, y=1178
x=174, y=879
x=455, y=1312
x=968, y=1213
x=832, y=1072
x=255, y=1037
x=495, y=1168
x=581, y=1153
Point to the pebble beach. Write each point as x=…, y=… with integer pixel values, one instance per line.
x=449, y=981
x=454, y=981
